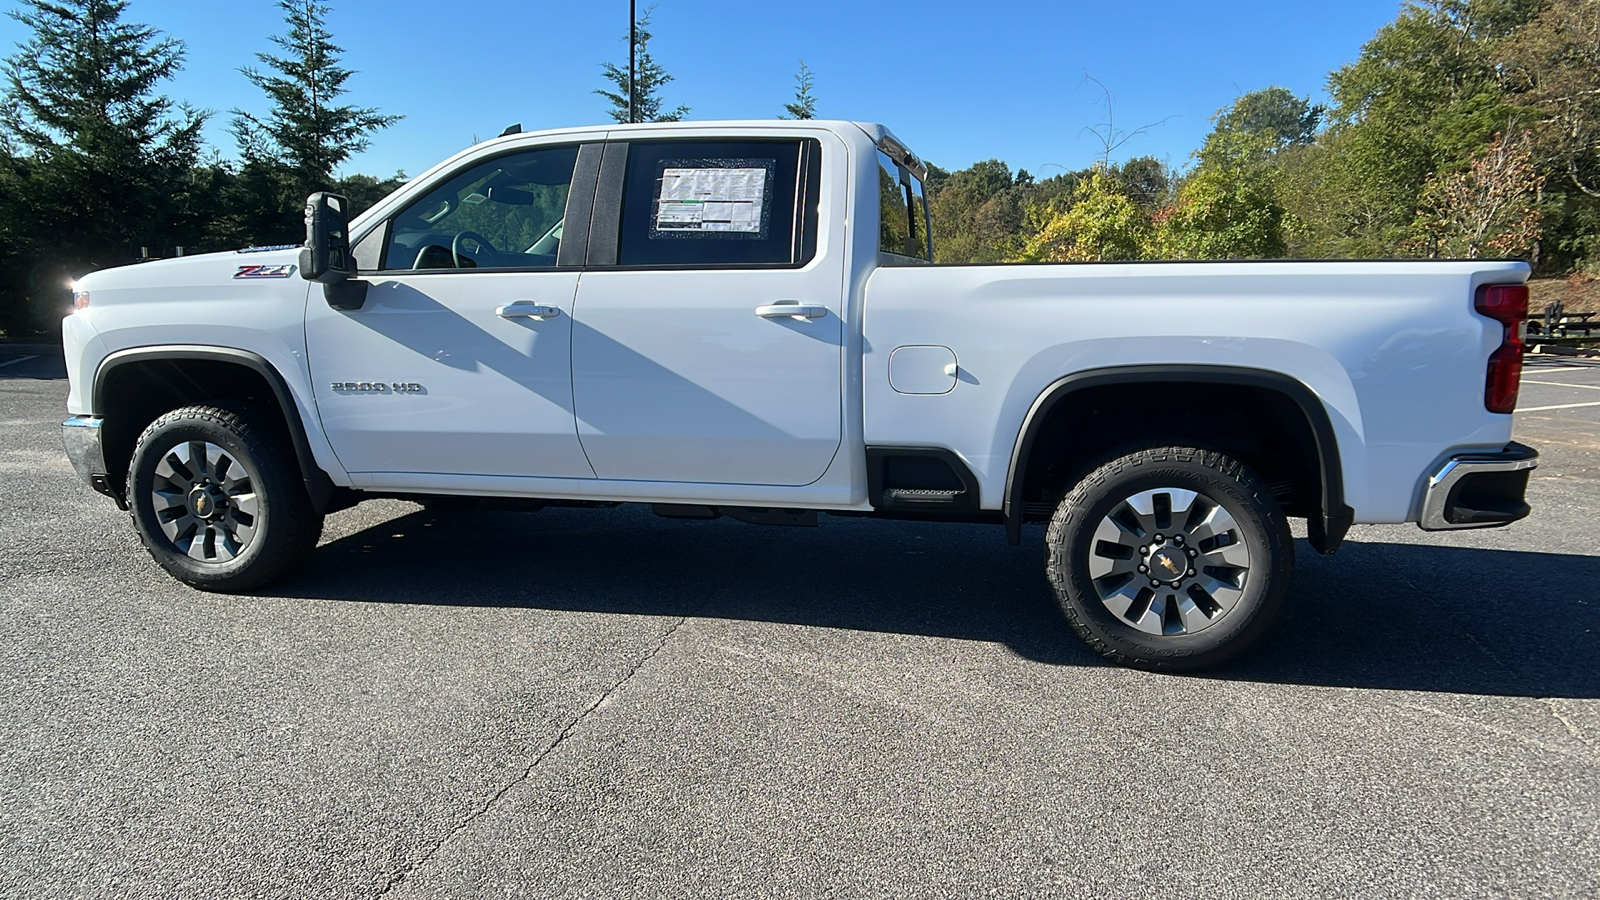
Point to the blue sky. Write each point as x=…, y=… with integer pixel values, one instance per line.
x=960, y=82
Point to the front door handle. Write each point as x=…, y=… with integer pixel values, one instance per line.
x=791, y=309
x=526, y=309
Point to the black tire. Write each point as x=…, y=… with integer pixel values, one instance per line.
x=282, y=527
x=1176, y=629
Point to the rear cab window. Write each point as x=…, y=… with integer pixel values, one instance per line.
x=902, y=214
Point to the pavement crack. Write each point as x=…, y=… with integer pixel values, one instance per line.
x=1554, y=707
x=400, y=877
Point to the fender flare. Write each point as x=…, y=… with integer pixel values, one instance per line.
x=319, y=486
x=1325, y=530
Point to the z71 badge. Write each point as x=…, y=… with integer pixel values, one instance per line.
x=264, y=272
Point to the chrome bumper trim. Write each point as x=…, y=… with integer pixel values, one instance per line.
x=80, y=435
x=1439, y=502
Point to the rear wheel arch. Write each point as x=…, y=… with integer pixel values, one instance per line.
x=132, y=388
x=1297, y=423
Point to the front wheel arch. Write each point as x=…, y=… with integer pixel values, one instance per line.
x=134, y=387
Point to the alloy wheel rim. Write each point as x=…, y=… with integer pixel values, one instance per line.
x=1169, y=561
x=205, y=501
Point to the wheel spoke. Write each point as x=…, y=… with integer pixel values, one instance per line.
x=1114, y=551
x=197, y=546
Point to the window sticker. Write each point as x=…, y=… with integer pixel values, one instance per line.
x=713, y=198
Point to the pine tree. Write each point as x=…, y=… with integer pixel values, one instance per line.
x=805, y=104
x=647, y=93
x=306, y=133
x=98, y=151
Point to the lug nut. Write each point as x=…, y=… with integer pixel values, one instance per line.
x=1160, y=539
x=1177, y=538
x=1144, y=569
x=1193, y=552
x=1155, y=583
x=1144, y=551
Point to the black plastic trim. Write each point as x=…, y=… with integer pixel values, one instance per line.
x=1325, y=531
x=574, y=247
x=877, y=458
x=318, y=485
x=605, y=230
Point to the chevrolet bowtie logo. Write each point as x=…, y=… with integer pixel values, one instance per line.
x=1169, y=565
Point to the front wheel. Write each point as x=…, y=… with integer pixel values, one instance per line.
x=217, y=498
x=1170, y=558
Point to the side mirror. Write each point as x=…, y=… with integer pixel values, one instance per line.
x=326, y=257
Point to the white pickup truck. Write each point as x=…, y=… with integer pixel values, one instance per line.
x=742, y=319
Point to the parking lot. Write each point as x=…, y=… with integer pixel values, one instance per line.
x=581, y=703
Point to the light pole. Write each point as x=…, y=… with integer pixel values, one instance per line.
x=633, y=42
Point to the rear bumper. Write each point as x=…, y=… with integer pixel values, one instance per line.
x=80, y=436
x=1479, y=490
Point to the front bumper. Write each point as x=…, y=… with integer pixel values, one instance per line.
x=1479, y=490
x=80, y=435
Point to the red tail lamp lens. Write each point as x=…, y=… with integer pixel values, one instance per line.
x=1508, y=305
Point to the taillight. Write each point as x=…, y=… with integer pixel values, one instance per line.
x=1508, y=305
x=80, y=300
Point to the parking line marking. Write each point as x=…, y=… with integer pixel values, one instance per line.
x=12, y=362
x=1543, y=371
x=1592, y=387
x=1562, y=406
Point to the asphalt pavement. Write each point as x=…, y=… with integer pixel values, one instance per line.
x=590, y=703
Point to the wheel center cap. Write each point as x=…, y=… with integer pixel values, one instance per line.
x=202, y=503
x=1168, y=564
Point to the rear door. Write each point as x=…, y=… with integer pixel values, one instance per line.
x=707, y=336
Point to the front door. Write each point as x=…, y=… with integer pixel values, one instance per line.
x=459, y=360
x=711, y=351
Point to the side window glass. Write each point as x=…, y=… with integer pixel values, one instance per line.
x=504, y=213
x=710, y=203
x=902, y=211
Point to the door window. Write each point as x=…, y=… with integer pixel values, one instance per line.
x=505, y=213
x=715, y=203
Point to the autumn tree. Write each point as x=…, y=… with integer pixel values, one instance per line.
x=1553, y=66
x=1489, y=208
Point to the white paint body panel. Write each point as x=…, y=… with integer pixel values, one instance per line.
x=678, y=392
x=496, y=393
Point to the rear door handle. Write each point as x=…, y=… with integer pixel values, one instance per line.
x=526, y=309
x=791, y=309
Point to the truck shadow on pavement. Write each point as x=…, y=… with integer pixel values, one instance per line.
x=1384, y=616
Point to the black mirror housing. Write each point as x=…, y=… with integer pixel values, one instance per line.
x=326, y=256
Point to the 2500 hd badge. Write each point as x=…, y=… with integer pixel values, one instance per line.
x=378, y=387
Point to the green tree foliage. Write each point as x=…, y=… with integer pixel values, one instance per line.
x=1424, y=96
x=1228, y=208
x=105, y=160
x=306, y=134
x=805, y=103
x=1103, y=223
x=648, y=104
x=1274, y=113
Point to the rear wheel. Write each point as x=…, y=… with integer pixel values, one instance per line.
x=1170, y=558
x=217, y=498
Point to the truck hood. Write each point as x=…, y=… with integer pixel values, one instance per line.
x=232, y=267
